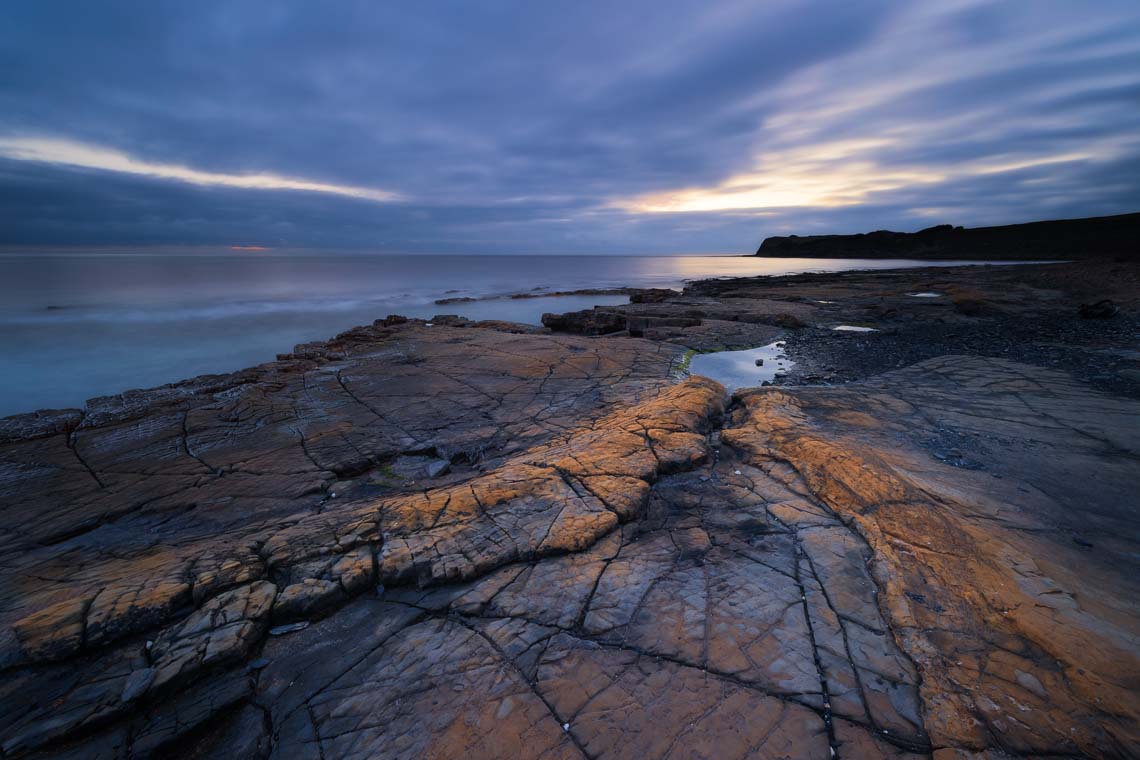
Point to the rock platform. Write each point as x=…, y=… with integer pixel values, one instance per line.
x=479, y=540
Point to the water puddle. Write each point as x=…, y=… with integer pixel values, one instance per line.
x=855, y=328
x=738, y=369
x=925, y=295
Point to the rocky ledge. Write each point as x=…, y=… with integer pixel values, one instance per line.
x=1097, y=237
x=482, y=540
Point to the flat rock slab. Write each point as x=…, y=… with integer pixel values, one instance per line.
x=937, y=561
x=1007, y=565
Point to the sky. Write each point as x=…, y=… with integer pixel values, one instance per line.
x=587, y=127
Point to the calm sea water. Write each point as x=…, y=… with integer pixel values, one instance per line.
x=76, y=326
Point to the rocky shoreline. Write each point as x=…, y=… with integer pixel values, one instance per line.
x=1101, y=237
x=484, y=539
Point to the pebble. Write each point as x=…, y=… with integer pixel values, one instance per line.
x=281, y=630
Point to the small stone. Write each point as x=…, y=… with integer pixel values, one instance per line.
x=566, y=727
x=281, y=630
x=759, y=362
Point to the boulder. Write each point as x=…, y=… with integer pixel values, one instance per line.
x=586, y=322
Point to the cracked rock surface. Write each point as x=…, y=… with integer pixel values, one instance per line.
x=471, y=542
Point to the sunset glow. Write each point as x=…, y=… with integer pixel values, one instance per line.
x=828, y=176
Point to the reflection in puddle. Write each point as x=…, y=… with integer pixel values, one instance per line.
x=738, y=369
x=925, y=295
x=854, y=328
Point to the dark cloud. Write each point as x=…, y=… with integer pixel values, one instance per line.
x=524, y=127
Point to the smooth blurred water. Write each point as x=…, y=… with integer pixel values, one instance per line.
x=74, y=326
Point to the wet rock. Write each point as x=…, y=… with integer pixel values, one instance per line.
x=392, y=320
x=450, y=320
x=1104, y=309
x=651, y=295
x=586, y=322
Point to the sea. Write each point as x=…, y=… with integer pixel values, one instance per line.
x=78, y=325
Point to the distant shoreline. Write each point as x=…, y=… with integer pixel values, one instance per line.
x=1094, y=237
x=195, y=384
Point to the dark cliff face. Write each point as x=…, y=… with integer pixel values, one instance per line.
x=1105, y=236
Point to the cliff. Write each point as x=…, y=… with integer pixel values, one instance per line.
x=1095, y=237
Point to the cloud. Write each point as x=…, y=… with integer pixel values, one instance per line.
x=822, y=176
x=93, y=157
x=916, y=107
x=830, y=176
x=526, y=127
